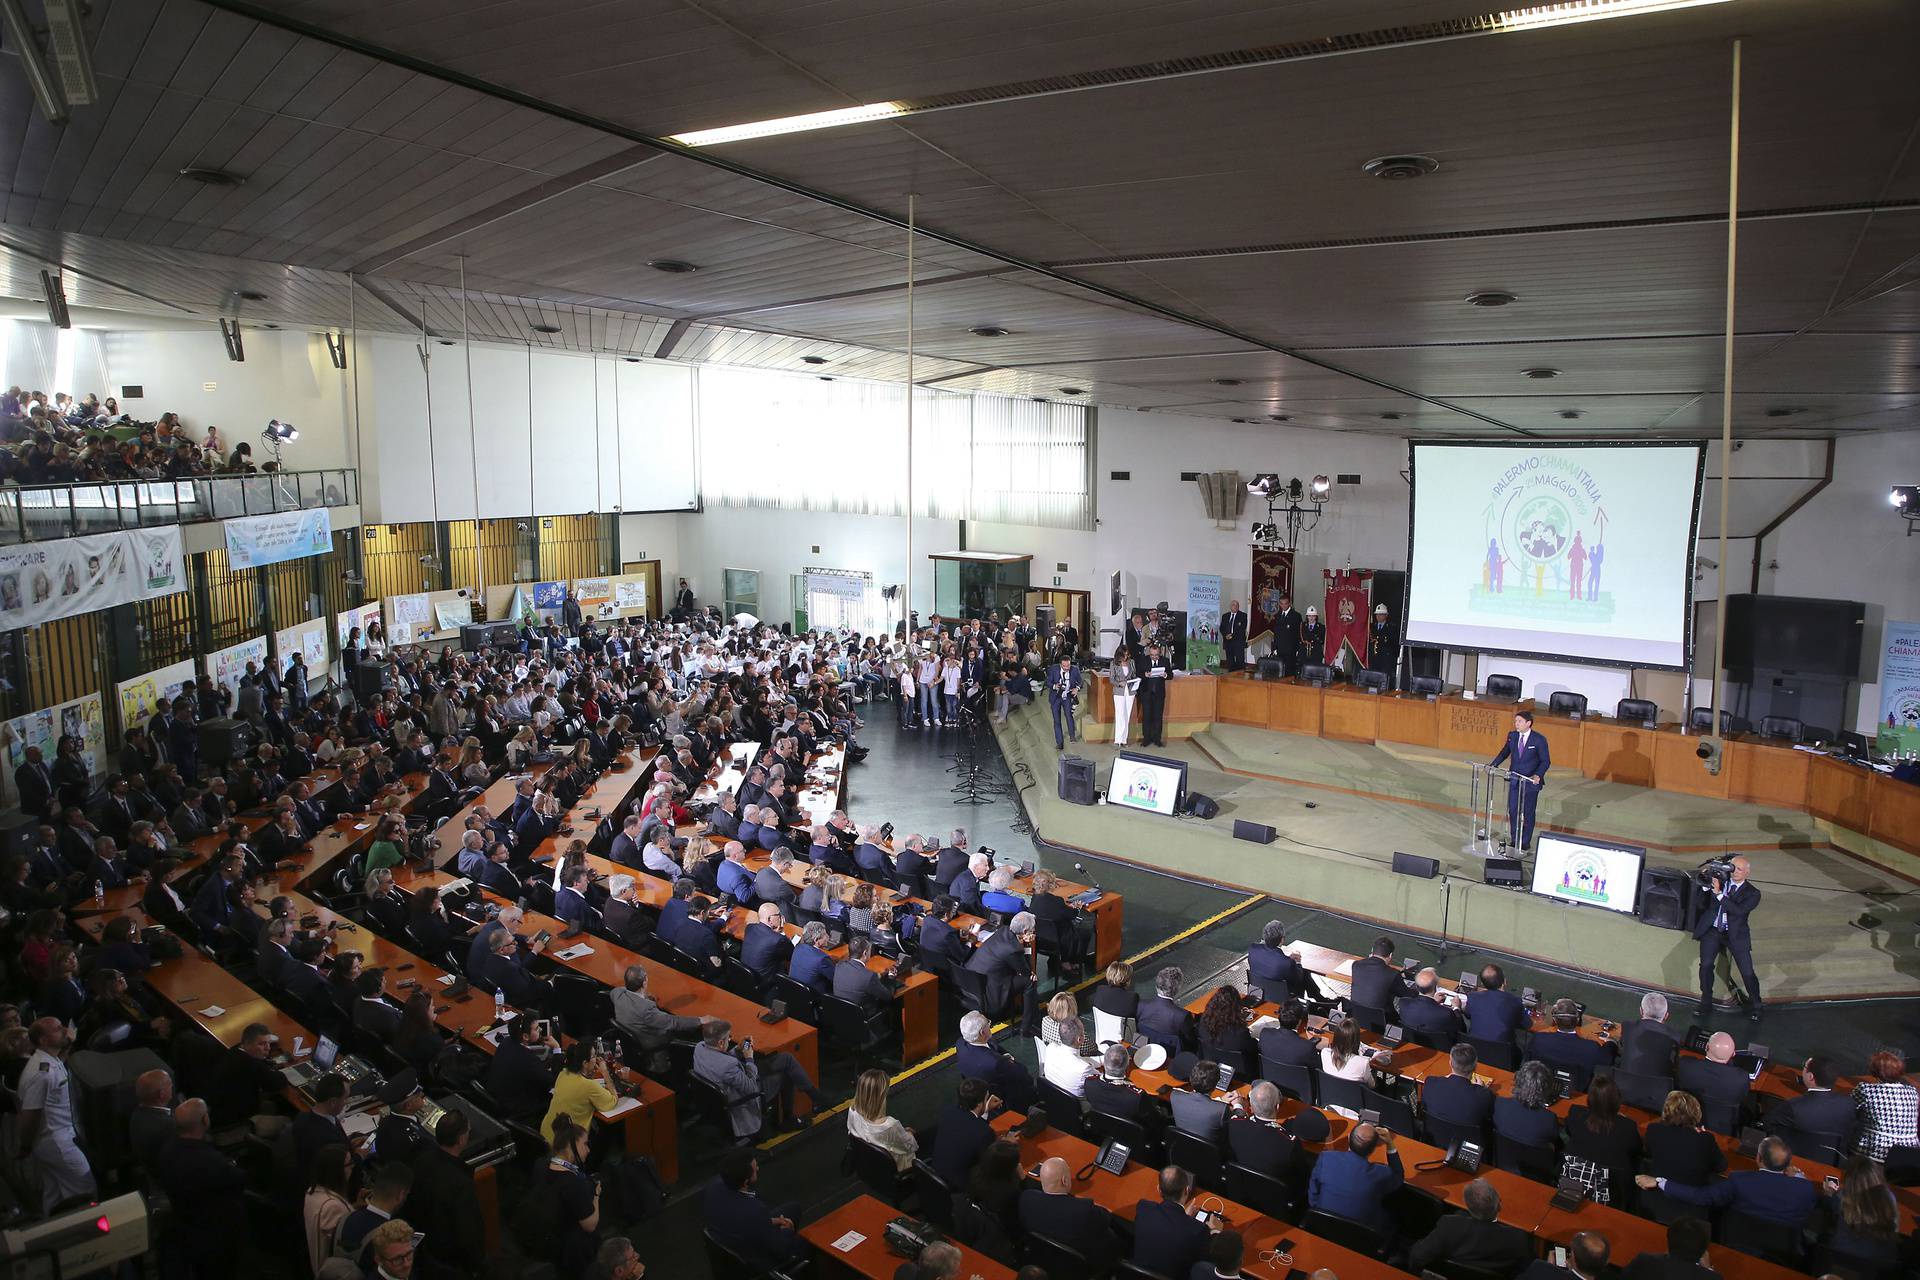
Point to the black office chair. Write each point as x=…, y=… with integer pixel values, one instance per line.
x=936, y=1195
x=1425, y=685
x=723, y=1261
x=1058, y=1261
x=1064, y=1111
x=1640, y=710
x=1203, y=1159
x=1374, y=1020
x=1372, y=681
x=1395, y=1112
x=1566, y=703
x=1292, y=1080
x=1647, y=1092
x=1496, y=1053
x=1349, y=1233
x=876, y=1170
x=1774, y=1241
x=1700, y=720
x=849, y=1027
x=1449, y=1269
x=1125, y=1270
x=1444, y=1133
x=802, y=1001
x=1503, y=688
x=1335, y=1092
x=1786, y=727
x=970, y=987
x=1101, y=1127
x=1317, y=674
x=1261, y=1192
x=1541, y=1163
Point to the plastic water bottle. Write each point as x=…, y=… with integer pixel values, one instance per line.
x=99, y=893
x=499, y=1005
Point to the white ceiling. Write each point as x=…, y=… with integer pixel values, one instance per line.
x=1142, y=233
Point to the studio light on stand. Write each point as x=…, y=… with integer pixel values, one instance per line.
x=1304, y=501
x=1905, y=499
x=278, y=435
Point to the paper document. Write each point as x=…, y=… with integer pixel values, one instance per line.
x=621, y=1108
x=212, y=1011
x=849, y=1242
x=574, y=952
x=360, y=1125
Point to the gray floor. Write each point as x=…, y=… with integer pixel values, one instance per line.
x=907, y=780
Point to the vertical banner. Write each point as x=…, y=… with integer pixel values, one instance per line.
x=1349, y=597
x=1272, y=577
x=1900, y=688
x=1203, y=620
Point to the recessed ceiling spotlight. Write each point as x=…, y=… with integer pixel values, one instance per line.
x=446, y=342
x=826, y=377
x=1785, y=411
x=813, y=359
x=1540, y=373
x=546, y=328
x=1279, y=417
x=1226, y=382
x=251, y=295
x=1569, y=414
x=1392, y=416
x=1399, y=168
x=211, y=177
x=672, y=266
x=1071, y=391
x=989, y=331
x=631, y=359
x=1491, y=298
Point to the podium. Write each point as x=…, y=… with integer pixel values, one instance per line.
x=1482, y=842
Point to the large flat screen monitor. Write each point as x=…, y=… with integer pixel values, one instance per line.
x=1591, y=873
x=1579, y=551
x=1152, y=783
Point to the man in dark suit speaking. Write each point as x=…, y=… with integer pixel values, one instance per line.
x=1723, y=927
x=1531, y=760
x=1233, y=636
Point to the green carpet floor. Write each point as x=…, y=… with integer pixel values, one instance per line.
x=1335, y=851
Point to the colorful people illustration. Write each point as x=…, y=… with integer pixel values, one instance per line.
x=1594, y=557
x=1577, y=561
x=1495, y=579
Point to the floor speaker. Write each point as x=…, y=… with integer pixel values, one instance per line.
x=1076, y=779
x=223, y=740
x=1258, y=832
x=370, y=679
x=1510, y=872
x=1412, y=864
x=1666, y=898
x=1202, y=806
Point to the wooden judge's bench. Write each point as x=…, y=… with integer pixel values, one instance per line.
x=1753, y=769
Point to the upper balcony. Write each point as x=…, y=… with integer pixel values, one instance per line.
x=40, y=513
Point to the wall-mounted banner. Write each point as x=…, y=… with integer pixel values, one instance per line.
x=1203, y=620
x=284, y=535
x=309, y=638
x=80, y=718
x=41, y=581
x=1348, y=600
x=226, y=666
x=360, y=616
x=451, y=615
x=1272, y=578
x=140, y=696
x=549, y=596
x=1900, y=687
x=408, y=617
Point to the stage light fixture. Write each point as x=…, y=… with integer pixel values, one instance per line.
x=1322, y=486
x=1264, y=485
x=1905, y=500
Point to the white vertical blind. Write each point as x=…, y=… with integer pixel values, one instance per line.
x=770, y=439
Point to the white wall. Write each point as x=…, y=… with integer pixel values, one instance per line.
x=657, y=537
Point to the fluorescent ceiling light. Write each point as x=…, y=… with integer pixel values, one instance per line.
x=1567, y=12
x=790, y=124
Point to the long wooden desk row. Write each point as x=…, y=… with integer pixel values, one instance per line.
x=1754, y=769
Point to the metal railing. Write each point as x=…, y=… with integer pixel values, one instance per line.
x=38, y=513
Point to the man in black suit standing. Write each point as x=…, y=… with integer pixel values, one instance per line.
x=1649, y=1044
x=1233, y=635
x=35, y=785
x=1003, y=960
x=1286, y=637
x=1377, y=982
x=1723, y=927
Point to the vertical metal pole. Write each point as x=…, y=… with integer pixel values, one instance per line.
x=1726, y=396
x=906, y=604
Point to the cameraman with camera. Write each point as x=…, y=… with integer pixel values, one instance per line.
x=1728, y=899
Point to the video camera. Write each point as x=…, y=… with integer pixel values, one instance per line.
x=1714, y=869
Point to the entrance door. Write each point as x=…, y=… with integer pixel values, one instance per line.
x=1074, y=607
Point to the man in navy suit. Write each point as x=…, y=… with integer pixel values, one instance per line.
x=763, y=1238
x=810, y=966
x=1775, y=1192
x=1167, y=1239
x=976, y=1058
x=1052, y=1209
x=1063, y=686
x=1427, y=1012
x=1350, y=1184
x=939, y=941
x=1531, y=760
x=1493, y=1012
x=1723, y=927
x=963, y=1133
x=1455, y=1099
x=764, y=947
x=1163, y=1019
x=1284, y=1044
x=570, y=902
x=1275, y=972
x=1566, y=1049
x=1821, y=1115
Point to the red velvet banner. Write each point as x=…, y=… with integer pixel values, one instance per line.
x=1349, y=597
x=1272, y=577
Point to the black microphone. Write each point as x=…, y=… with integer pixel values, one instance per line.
x=1081, y=869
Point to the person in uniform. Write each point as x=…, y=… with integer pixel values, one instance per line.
x=1233, y=636
x=1153, y=697
x=1383, y=645
x=1313, y=641
x=400, y=1137
x=1286, y=636
x=46, y=1117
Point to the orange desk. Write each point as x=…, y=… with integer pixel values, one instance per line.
x=871, y=1258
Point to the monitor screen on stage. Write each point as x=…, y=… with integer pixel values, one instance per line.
x=1589, y=872
x=1563, y=550
x=1147, y=782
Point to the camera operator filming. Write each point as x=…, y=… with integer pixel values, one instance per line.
x=1723, y=927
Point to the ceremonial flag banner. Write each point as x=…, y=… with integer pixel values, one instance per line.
x=1348, y=599
x=1272, y=577
x=283, y=535
x=1900, y=688
x=1203, y=620
x=41, y=581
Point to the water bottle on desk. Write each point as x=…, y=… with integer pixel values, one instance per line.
x=99, y=893
x=499, y=1006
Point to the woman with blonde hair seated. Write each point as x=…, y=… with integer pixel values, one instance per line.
x=867, y=1120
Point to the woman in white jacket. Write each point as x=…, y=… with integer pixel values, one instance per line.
x=1125, y=682
x=867, y=1120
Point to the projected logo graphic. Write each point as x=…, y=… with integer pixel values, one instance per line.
x=1584, y=877
x=1545, y=525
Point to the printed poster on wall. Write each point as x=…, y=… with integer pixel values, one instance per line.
x=1271, y=579
x=1203, y=620
x=358, y=616
x=407, y=617
x=283, y=535
x=226, y=666
x=549, y=596
x=82, y=718
x=451, y=615
x=1900, y=687
x=310, y=639
x=139, y=697
x=630, y=594
x=41, y=581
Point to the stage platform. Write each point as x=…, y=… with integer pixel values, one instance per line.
x=1343, y=808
